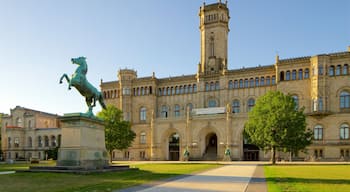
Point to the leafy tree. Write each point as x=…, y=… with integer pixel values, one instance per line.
x=274, y=123
x=118, y=132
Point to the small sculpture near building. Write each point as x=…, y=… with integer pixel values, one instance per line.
x=79, y=81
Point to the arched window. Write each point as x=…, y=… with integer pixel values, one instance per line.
x=257, y=82
x=338, y=70
x=142, y=138
x=172, y=91
x=241, y=83
x=282, y=76
x=177, y=110
x=40, y=141
x=344, y=100
x=268, y=80
x=207, y=88
x=138, y=91
x=168, y=91
x=160, y=92
x=262, y=81
x=189, y=87
x=16, y=143
x=143, y=114
x=177, y=90
x=212, y=86
x=318, y=132
x=30, y=142
x=217, y=85
x=181, y=90
x=164, y=112
x=164, y=91
x=331, y=70
x=344, y=131
x=246, y=83
x=46, y=138
x=53, y=141
x=300, y=74
x=345, y=69
x=185, y=89
x=235, y=84
x=19, y=122
x=212, y=103
x=306, y=73
x=288, y=75
x=230, y=84
x=273, y=80
x=194, y=88
x=235, y=106
x=294, y=75
x=296, y=101
x=251, y=82
x=251, y=103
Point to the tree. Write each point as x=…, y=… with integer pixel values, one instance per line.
x=276, y=123
x=118, y=133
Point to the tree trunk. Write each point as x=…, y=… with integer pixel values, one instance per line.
x=273, y=155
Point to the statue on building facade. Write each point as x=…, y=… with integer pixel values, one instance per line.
x=79, y=81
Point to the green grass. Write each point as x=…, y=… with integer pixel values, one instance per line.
x=54, y=182
x=288, y=178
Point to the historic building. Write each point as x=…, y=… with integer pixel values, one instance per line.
x=205, y=112
x=29, y=133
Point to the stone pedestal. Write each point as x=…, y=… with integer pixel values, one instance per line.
x=82, y=142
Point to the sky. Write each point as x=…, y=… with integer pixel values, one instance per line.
x=39, y=37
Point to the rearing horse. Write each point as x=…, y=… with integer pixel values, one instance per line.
x=80, y=82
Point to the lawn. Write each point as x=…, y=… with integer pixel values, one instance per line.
x=54, y=182
x=308, y=178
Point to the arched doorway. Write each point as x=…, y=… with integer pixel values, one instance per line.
x=250, y=152
x=211, y=145
x=174, y=147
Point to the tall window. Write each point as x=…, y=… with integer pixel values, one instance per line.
x=345, y=69
x=251, y=103
x=230, y=84
x=300, y=74
x=177, y=90
x=273, y=80
x=241, y=83
x=9, y=142
x=296, y=101
x=212, y=47
x=189, y=87
x=30, y=142
x=331, y=71
x=177, y=110
x=16, y=144
x=212, y=86
x=212, y=103
x=306, y=73
x=262, y=81
x=194, y=88
x=19, y=122
x=164, y=112
x=344, y=100
x=268, y=80
x=246, y=83
x=294, y=75
x=288, y=75
x=257, y=82
x=251, y=82
x=181, y=90
x=338, y=70
x=235, y=84
x=217, y=85
x=53, y=141
x=344, y=131
x=40, y=141
x=143, y=138
x=143, y=114
x=320, y=104
x=46, y=138
x=320, y=70
x=185, y=89
x=207, y=88
x=318, y=132
x=235, y=106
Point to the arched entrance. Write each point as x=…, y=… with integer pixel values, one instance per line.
x=211, y=145
x=250, y=152
x=174, y=147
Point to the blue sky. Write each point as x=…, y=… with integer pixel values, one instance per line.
x=38, y=38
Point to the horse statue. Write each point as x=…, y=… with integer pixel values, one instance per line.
x=79, y=81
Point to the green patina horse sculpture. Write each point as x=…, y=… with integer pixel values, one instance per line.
x=85, y=88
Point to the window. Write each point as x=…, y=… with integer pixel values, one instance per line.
x=30, y=124
x=320, y=104
x=189, y=87
x=282, y=76
x=142, y=91
x=194, y=88
x=230, y=84
x=262, y=81
x=9, y=142
x=241, y=83
x=235, y=106
x=267, y=80
x=19, y=122
x=53, y=141
x=346, y=154
x=288, y=75
x=344, y=100
x=300, y=74
x=294, y=75
x=251, y=82
x=177, y=110
x=217, y=85
x=235, y=84
x=251, y=103
x=164, y=112
x=273, y=80
x=212, y=86
x=318, y=153
x=177, y=90
x=40, y=141
x=207, y=88
x=143, y=138
x=168, y=91
x=181, y=90
x=320, y=70
x=306, y=73
x=172, y=91
x=46, y=138
x=142, y=154
x=331, y=71
x=143, y=114
x=344, y=131
x=345, y=69
x=246, y=83
x=318, y=132
x=257, y=82
x=338, y=70
x=212, y=103
x=126, y=154
x=30, y=142
x=160, y=92
x=189, y=106
x=296, y=101
x=164, y=91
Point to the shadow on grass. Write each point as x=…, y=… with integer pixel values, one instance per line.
x=307, y=180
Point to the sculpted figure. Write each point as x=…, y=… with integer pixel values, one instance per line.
x=79, y=81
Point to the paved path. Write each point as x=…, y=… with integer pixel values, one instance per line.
x=230, y=178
